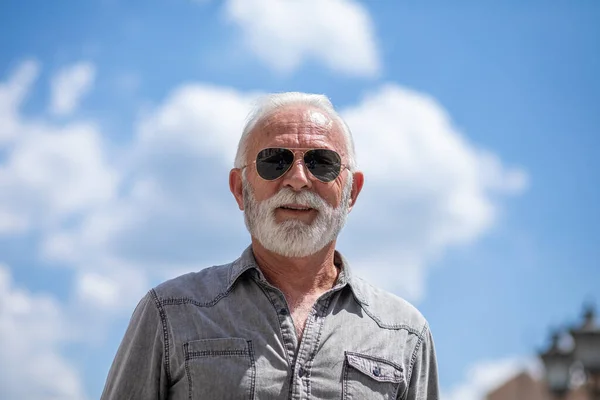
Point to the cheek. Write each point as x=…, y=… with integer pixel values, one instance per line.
x=263, y=189
x=331, y=194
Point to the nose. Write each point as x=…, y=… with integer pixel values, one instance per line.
x=297, y=177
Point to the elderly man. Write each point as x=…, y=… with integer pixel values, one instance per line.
x=288, y=319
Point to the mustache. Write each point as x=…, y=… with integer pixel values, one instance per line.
x=288, y=196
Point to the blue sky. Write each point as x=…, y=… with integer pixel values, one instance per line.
x=476, y=125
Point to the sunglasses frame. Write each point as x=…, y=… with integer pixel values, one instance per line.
x=295, y=151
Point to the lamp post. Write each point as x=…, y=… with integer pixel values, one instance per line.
x=587, y=350
x=557, y=363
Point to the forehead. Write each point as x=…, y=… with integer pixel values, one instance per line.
x=298, y=126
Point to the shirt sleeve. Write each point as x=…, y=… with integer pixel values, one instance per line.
x=138, y=370
x=423, y=383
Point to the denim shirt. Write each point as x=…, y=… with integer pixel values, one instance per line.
x=226, y=333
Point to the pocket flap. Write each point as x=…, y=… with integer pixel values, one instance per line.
x=217, y=347
x=376, y=368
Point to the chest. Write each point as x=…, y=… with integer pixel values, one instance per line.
x=237, y=368
x=300, y=311
x=258, y=354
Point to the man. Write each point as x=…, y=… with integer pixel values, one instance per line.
x=288, y=319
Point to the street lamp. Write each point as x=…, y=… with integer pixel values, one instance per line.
x=587, y=350
x=557, y=363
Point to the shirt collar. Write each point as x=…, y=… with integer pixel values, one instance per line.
x=248, y=262
x=346, y=277
x=241, y=265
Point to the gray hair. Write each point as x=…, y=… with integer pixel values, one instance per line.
x=270, y=103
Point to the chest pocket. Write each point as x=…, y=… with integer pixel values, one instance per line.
x=367, y=377
x=220, y=369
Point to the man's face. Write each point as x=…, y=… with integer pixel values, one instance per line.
x=296, y=215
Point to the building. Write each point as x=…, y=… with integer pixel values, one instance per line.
x=572, y=368
x=525, y=387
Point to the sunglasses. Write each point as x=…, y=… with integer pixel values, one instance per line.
x=324, y=164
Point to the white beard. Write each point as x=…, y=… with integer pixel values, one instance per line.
x=294, y=238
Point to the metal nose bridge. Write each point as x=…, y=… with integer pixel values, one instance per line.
x=300, y=160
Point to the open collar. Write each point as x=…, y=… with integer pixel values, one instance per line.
x=248, y=262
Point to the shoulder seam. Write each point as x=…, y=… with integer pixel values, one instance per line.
x=177, y=301
x=166, y=345
x=391, y=326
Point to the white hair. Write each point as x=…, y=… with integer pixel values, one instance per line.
x=270, y=103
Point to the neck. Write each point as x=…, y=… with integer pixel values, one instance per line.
x=298, y=276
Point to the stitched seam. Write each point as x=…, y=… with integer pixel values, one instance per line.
x=233, y=278
x=358, y=298
x=225, y=353
x=191, y=355
x=357, y=284
x=356, y=292
x=391, y=326
x=345, y=385
x=253, y=364
x=166, y=346
x=396, y=393
x=312, y=356
x=413, y=358
x=302, y=355
x=396, y=384
x=373, y=358
x=268, y=294
x=178, y=301
x=291, y=362
x=263, y=289
x=187, y=371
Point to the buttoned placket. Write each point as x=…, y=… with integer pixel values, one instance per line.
x=307, y=350
x=299, y=355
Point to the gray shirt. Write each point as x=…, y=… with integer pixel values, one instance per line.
x=226, y=333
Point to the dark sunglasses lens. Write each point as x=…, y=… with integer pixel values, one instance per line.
x=324, y=164
x=272, y=163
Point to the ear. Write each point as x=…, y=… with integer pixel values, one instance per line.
x=358, y=180
x=236, y=187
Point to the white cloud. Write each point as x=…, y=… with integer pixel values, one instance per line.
x=391, y=270
x=52, y=172
x=181, y=153
x=12, y=94
x=100, y=289
x=32, y=328
x=284, y=34
x=203, y=120
x=173, y=210
x=486, y=376
x=426, y=187
x=111, y=289
x=12, y=223
x=69, y=86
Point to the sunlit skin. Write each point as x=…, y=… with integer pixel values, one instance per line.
x=304, y=279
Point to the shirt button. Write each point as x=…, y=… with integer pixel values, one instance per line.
x=283, y=311
x=301, y=372
x=376, y=371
